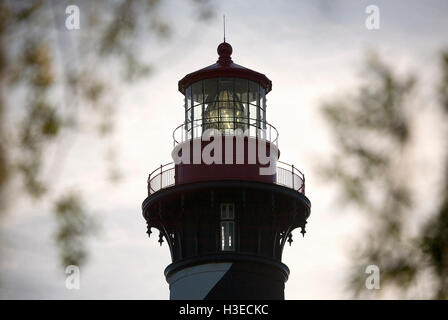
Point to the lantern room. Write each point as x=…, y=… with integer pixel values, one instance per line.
x=224, y=104
x=225, y=96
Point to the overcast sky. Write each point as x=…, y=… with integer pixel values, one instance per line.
x=311, y=50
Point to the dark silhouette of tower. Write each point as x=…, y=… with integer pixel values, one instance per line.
x=226, y=206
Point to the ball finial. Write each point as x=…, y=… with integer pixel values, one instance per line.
x=224, y=52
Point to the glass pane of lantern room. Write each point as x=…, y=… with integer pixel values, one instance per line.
x=263, y=106
x=254, y=93
x=210, y=116
x=226, y=105
x=197, y=93
x=241, y=94
x=188, y=110
x=198, y=96
x=254, y=100
x=262, y=111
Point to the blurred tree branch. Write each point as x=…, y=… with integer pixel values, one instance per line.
x=434, y=236
x=57, y=96
x=372, y=131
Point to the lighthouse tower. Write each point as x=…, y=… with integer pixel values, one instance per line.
x=226, y=205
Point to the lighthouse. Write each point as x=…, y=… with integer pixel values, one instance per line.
x=226, y=205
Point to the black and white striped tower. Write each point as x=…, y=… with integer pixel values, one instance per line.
x=223, y=209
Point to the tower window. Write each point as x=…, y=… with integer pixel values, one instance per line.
x=227, y=211
x=227, y=227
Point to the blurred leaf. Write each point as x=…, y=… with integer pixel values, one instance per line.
x=74, y=226
x=443, y=88
x=50, y=84
x=371, y=129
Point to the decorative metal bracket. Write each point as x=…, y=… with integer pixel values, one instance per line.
x=303, y=229
x=290, y=239
x=160, y=238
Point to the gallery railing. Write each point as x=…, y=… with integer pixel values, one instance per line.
x=286, y=175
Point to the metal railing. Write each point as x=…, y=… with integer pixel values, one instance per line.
x=253, y=127
x=286, y=175
x=161, y=178
x=289, y=176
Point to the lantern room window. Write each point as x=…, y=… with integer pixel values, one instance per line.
x=227, y=227
x=224, y=104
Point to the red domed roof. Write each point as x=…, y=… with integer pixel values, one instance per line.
x=225, y=67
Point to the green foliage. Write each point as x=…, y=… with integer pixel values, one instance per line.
x=74, y=225
x=55, y=94
x=434, y=244
x=372, y=131
x=434, y=235
x=443, y=89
